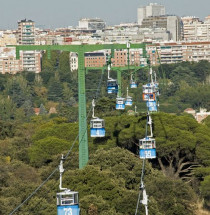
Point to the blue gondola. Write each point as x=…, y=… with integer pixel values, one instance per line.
x=147, y=148
x=112, y=86
x=120, y=103
x=152, y=106
x=97, y=128
x=67, y=203
x=133, y=84
x=128, y=101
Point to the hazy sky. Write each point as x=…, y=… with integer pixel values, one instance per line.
x=63, y=13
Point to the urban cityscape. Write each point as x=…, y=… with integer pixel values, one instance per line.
x=105, y=119
x=176, y=39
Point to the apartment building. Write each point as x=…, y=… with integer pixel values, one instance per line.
x=7, y=38
x=8, y=62
x=92, y=24
x=26, y=36
x=73, y=61
x=196, y=30
x=167, y=53
x=95, y=59
x=172, y=24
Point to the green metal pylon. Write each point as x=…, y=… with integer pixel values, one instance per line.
x=83, y=139
x=80, y=49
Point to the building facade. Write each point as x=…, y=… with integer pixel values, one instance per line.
x=196, y=30
x=8, y=62
x=166, y=53
x=92, y=24
x=153, y=9
x=171, y=24
x=26, y=36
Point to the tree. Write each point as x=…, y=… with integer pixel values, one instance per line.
x=55, y=89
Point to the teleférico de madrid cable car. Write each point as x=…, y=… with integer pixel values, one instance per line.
x=152, y=106
x=68, y=203
x=148, y=92
x=147, y=148
x=128, y=100
x=112, y=86
x=120, y=103
x=133, y=84
x=97, y=128
x=97, y=125
x=67, y=200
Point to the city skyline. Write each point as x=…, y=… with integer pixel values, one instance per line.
x=53, y=14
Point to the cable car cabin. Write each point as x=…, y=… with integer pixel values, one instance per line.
x=97, y=128
x=148, y=88
x=152, y=106
x=128, y=101
x=157, y=91
x=68, y=203
x=148, y=96
x=112, y=86
x=120, y=103
x=133, y=84
x=147, y=148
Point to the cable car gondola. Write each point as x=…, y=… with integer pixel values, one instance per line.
x=152, y=106
x=133, y=84
x=120, y=103
x=67, y=203
x=112, y=86
x=149, y=92
x=97, y=128
x=97, y=125
x=128, y=101
x=147, y=148
x=67, y=200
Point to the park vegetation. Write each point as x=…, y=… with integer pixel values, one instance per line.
x=177, y=182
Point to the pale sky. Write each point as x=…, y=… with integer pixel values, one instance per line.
x=63, y=13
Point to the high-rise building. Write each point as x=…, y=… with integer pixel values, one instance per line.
x=171, y=23
x=26, y=36
x=153, y=9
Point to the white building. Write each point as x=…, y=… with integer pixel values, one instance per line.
x=92, y=24
x=153, y=9
x=194, y=29
x=73, y=60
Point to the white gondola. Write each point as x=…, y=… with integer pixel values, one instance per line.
x=128, y=101
x=120, y=103
x=148, y=92
x=97, y=128
x=97, y=125
x=147, y=148
x=67, y=200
